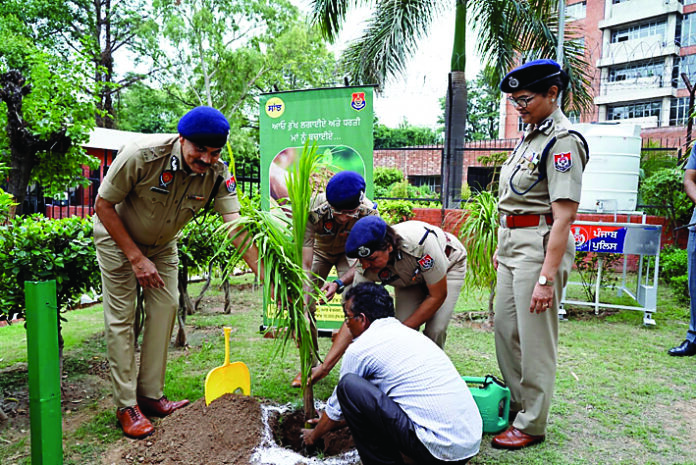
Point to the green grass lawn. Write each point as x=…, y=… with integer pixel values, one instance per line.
x=620, y=399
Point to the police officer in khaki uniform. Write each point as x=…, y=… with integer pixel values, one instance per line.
x=424, y=264
x=331, y=217
x=154, y=187
x=540, y=187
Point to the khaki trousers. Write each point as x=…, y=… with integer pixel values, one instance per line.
x=321, y=266
x=526, y=343
x=408, y=299
x=160, y=305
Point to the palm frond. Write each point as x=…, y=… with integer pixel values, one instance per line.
x=329, y=15
x=391, y=37
x=508, y=28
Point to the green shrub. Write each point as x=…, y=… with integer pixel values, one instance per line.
x=665, y=187
x=36, y=248
x=673, y=270
x=385, y=177
x=395, y=211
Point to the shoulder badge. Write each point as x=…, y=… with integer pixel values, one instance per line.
x=562, y=161
x=231, y=184
x=328, y=226
x=426, y=262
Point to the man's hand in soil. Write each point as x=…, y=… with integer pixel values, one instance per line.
x=308, y=433
x=322, y=425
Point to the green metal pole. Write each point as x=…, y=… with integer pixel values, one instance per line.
x=44, y=373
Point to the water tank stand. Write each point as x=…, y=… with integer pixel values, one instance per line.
x=627, y=239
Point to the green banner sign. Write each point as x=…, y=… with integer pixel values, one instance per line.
x=339, y=120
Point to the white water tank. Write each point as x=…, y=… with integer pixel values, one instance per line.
x=610, y=180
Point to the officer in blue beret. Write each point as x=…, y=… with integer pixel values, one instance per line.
x=331, y=218
x=539, y=194
x=425, y=265
x=155, y=185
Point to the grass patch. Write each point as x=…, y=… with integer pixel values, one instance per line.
x=620, y=399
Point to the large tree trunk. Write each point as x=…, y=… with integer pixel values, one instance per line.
x=104, y=72
x=24, y=145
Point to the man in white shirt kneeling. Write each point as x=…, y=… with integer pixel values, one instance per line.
x=398, y=391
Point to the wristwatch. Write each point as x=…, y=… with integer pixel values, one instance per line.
x=544, y=281
x=340, y=285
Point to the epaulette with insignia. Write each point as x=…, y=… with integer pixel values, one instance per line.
x=155, y=153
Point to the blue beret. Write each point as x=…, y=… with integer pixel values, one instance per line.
x=204, y=126
x=345, y=190
x=531, y=73
x=366, y=237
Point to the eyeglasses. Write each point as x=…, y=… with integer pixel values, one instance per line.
x=521, y=102
x=354, y=213
x=347, y=318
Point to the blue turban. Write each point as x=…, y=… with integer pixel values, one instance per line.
x=345, y=190
x=205, y=126
x=531, y=73
x=366, y=237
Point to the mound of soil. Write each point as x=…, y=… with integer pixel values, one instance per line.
x=225, y=432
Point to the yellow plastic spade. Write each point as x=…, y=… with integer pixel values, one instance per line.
x=228, y=377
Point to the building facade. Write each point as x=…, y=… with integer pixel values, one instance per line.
x=637, y=51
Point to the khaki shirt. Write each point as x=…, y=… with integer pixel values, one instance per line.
x=424, y=257
x=324, y=234
x=520, y=193
x=155, y=196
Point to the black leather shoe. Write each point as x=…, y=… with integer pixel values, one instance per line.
x=686, y=349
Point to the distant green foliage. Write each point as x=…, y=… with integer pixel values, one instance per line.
x=405, y=136
x=35, y=248
x=665, y=187
x=385, y=177
x=396, y=211
x=673, y=270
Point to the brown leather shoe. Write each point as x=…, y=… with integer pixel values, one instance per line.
x=297, y=381
x=512, y=438
x=134, y=423
x=160, y=407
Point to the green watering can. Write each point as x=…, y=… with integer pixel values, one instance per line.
x=492, y=398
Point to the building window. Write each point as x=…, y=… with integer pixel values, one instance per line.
x=520, y=124
x=432, y=182
x=687, y=65
x=688, y=30
x=635, y=71
x=639, y=31
x=634, y=110
x=679, y=111
x=576, y=11
x=574, y=116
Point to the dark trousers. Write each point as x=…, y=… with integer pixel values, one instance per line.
x=380, y=429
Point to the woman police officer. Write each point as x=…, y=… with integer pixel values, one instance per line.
x=539, y=193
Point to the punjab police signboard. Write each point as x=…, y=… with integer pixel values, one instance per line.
x=340, y=121
x=623, y=238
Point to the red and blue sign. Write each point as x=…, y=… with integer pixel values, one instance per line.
x=599, y=238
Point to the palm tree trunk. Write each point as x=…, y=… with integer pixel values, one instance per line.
x=455, y=115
